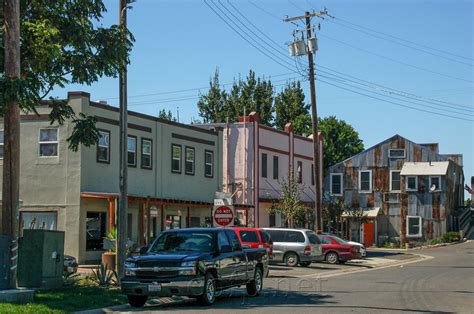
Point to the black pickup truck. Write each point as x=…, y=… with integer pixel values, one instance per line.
x=194, y=262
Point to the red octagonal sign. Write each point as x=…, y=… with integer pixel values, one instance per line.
x=223, y=215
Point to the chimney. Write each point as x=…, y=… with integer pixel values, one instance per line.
x=288, y=127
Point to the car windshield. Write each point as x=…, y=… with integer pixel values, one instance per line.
x=339, y=240
x=185, y=242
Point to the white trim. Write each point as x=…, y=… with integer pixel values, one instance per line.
x=342, y=183
x=3, y=143
x=211, y=153
x=104, y=146
x=416, y=183
x=420, y=224
x=440, y=188
x=400, y=180
x=396, y=157
x=48, y=142
x=135, y=152
x=370, y=182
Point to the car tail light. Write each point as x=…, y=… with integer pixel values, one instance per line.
x=307, y=250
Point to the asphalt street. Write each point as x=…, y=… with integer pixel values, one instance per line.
x=443, y=282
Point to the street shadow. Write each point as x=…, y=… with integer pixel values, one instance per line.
x=383, y=254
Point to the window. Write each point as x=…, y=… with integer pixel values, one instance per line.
x=103, y=147
x=414, y=226
x=313, y=238
x=147, y=149
x=396, y=153
x=1, y=144
x=395, y=180
x=265, y=237
x=189, y=161
x=132, y=151
x=264, y=165
x=312, y=174
x=275, y=167
x=272, y=220
x=435, y=184
x=249, y=236
x=173, y=222
x=95, y=230
x=336, y=183
x=325, y=241
x=209, y=164
x=176, y=158
x=299, y=172
x=48, y=142
x=365, y=180
x=412, y=183
x=222, y=240
x=295, y=236
x=234, y=240
x=276, y=235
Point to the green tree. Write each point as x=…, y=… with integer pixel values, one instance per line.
x=290, y=205
x=341, y=141
x=166, y=115
x=63, y=42
x=212, y=104
x=291, y=107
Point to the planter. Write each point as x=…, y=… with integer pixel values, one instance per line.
x=108, y=258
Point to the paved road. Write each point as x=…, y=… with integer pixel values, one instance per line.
x=442, y=284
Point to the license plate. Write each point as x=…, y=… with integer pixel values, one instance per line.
x=155, y=287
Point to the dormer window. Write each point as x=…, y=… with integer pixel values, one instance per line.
x=396, y=153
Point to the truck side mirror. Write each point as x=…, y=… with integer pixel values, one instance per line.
x=143, y=250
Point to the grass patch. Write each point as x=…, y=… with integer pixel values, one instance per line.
x=79, y=295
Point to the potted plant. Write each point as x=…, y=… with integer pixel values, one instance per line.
x=110, y=244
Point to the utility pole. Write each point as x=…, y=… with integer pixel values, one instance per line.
x=11, y=159
x=309, y=49
x=123, y=160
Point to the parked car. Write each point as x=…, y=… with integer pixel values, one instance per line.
x=336, y=250
x=254, y=238
x=361, y=250
x=194, y=262
x=295, y=246
x=70, y=264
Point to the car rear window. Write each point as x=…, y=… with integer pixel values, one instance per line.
x=249, y=236
x=313, y=238
x=265, y=237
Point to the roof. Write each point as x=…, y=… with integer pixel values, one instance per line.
x=371, y=212
x=433, y=168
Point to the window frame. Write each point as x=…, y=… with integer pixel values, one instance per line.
x=391, y=180
x=342, y=183
x=207, y=151
x=370, y=181
x=299, y=172
x=144, y=139
x=49, y=142
x=134, y=165
x=108, y=148
x=407, y=188
x=186, y=148
x=440, y=188
x=420, y=227
x=180, y=158
x=2, y=143
x=396, y=157
x=277, y=163
x=264, y=168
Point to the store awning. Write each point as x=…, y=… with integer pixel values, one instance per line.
x=434, y=168
x=372, y=212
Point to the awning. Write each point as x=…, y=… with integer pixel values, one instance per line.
x=434, y=168
x=372, y=212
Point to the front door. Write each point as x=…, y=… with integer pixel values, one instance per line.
x=368, y=234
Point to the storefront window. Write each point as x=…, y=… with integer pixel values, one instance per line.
x=173, y=222
x=95, y=231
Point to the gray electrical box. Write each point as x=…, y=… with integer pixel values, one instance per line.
x=41, y=259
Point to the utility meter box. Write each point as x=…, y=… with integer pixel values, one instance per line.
x=41, y=259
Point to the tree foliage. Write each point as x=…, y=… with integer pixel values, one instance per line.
x=166, y=115
x=291, y=107
x=341, y=141
x=62, y=42
x=212, y=104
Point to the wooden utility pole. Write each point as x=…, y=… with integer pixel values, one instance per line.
x=11, y=148
x=314, y=119
x=123, y=167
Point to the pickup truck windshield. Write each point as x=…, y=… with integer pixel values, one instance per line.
x=185, y=242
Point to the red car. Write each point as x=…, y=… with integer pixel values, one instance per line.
x=336, y=250
x=254, y=238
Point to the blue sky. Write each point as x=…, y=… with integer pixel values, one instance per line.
x=179, y=44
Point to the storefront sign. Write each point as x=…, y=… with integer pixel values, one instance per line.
x=223, y=216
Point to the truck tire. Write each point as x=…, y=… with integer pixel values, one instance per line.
x=137, y=300
x=291, y=259
x=255, y=286
x=209, y=294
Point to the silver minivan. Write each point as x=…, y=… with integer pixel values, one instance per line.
x=295, y=246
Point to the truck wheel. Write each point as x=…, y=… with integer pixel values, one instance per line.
x=255, y=286
x=209, y=295
x=291, y=259
x=332, y=258
x=305, y=264
x=137, y=300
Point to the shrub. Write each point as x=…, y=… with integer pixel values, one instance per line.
x=104, y=276
x=448, y=237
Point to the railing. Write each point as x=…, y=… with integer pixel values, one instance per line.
x=466, y=220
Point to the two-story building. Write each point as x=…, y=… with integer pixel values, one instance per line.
x=255, y=160
x=396, y=191
x=174, y=171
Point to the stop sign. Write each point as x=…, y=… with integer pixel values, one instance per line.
x=223, y=215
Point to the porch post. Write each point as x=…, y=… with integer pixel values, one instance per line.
x=148, y=220
x=111, y=213
x=140, y=222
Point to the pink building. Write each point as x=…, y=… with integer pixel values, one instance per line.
x=255, y=159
